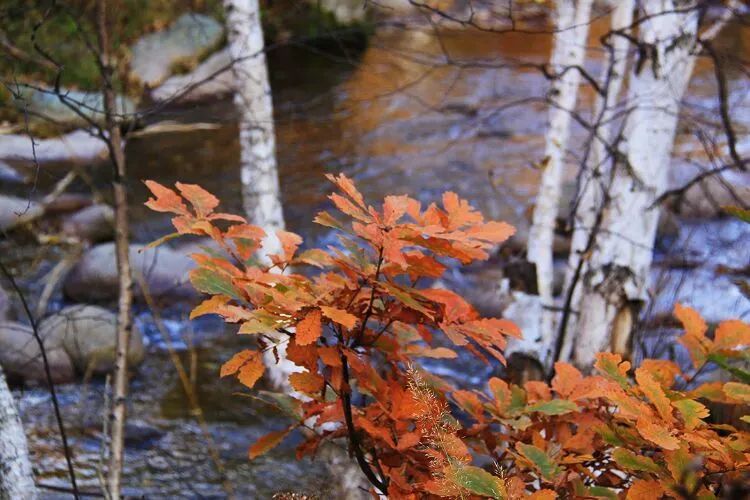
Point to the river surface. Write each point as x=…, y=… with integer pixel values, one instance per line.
x=397, y=120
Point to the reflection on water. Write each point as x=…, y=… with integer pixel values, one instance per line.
x=402, y=117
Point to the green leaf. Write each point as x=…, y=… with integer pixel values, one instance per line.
x=602, y=492
x=540, y=459
x=213, y=282
x=692, y=412
x=554, y=407
x=630, y=461
x=740, y=213
x=738, y=391
x=478, y=481
x=609, y=435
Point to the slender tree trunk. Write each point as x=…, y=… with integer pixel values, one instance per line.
x=616, y=282
x=16, y=476
x=260, y=179
x=122, y=237
x=572, y=19
x=595, y=177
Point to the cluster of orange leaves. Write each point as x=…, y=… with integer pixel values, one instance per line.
x=356, y=324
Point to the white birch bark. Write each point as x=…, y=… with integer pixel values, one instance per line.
x=572, y=19
x=595, y=174
x=259, y=174
x=617, y=277
x=16, y=476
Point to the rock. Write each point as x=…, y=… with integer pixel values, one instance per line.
x=43, y=105
x=79, y=146
x=88, y=334
x=11, y=175
x=5, y=305
x=212, y=85
x=94, y=223
x=95, y=279
x=21, y=357
x=705, y=199
x=15, y=211
x=67, y=202
x=189, y=37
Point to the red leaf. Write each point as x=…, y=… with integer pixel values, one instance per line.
x=339, y=316
x=306, y=383
x=267, y=443
x=166, y=200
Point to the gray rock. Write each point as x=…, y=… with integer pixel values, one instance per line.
x=94, y=223
x=43, y=105
x=208, y=83
x=75, y=146
x=165, y=271
x=15, y=211
x=21, y=357
x=88, y=334
x=189, y=37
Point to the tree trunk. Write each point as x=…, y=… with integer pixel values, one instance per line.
x=122, y=239
x=16, y=476
x=572, y=19
x=615, y=284
x=595, y=177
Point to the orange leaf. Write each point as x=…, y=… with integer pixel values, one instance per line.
x=612, y=365
x=657, y=434
x=251, y=371
x=642, y=489
x=267, y=443
x=330, y=356
x=306, y=383
x=203, y=202
x=543, y=495
x=236, y=362
x=339, y=316
x=289, y=243
x=309, y=329
x=691, y=320
x=210, y=306
x=732, y=334
x=653, y=391
x=347, y=186
x=166, y=200
x=567, y=378
x=662, y=370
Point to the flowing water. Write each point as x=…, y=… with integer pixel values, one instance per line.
x=397, y=119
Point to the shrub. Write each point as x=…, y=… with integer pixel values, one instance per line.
x=356, y=326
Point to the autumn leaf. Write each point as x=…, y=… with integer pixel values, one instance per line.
x=339, y=316
x=553, y=407
x=692, y=412
x=567, y=377
x=612, y=365
x=247, y=364
x=306, y=383
x=738, y=391
x=732, y=334
x=540, y=459
x=657, y=434
x=309, y=329
x=642, y=489
x=209, y=306
x=268, y=442
x=236, y=361
x=203, y=202
x=654, y=392
x=166, y=200
x=632, y=462
x=477, y=481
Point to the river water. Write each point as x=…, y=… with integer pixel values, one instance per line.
x=398, y=120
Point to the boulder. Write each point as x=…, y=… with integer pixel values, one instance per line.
x=16, y=211
x=209, y=80
x=165, y=271
x=88, y=334
x=21, y=357
x=78, y=146
x=94, y=223
x=188, y=38
x=43, y=105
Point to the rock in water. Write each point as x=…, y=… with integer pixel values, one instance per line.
x=88, y=334
x=43, y=105
x=94, y=223
x=165, y=272
x=21, y=357
x=188, y=38
x=208, y=81
x=15, y=211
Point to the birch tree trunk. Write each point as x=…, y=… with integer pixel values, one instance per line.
x=572, y=19
x=117, y=414
x=16, y=476
x=595, y=177
x=616, y=282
